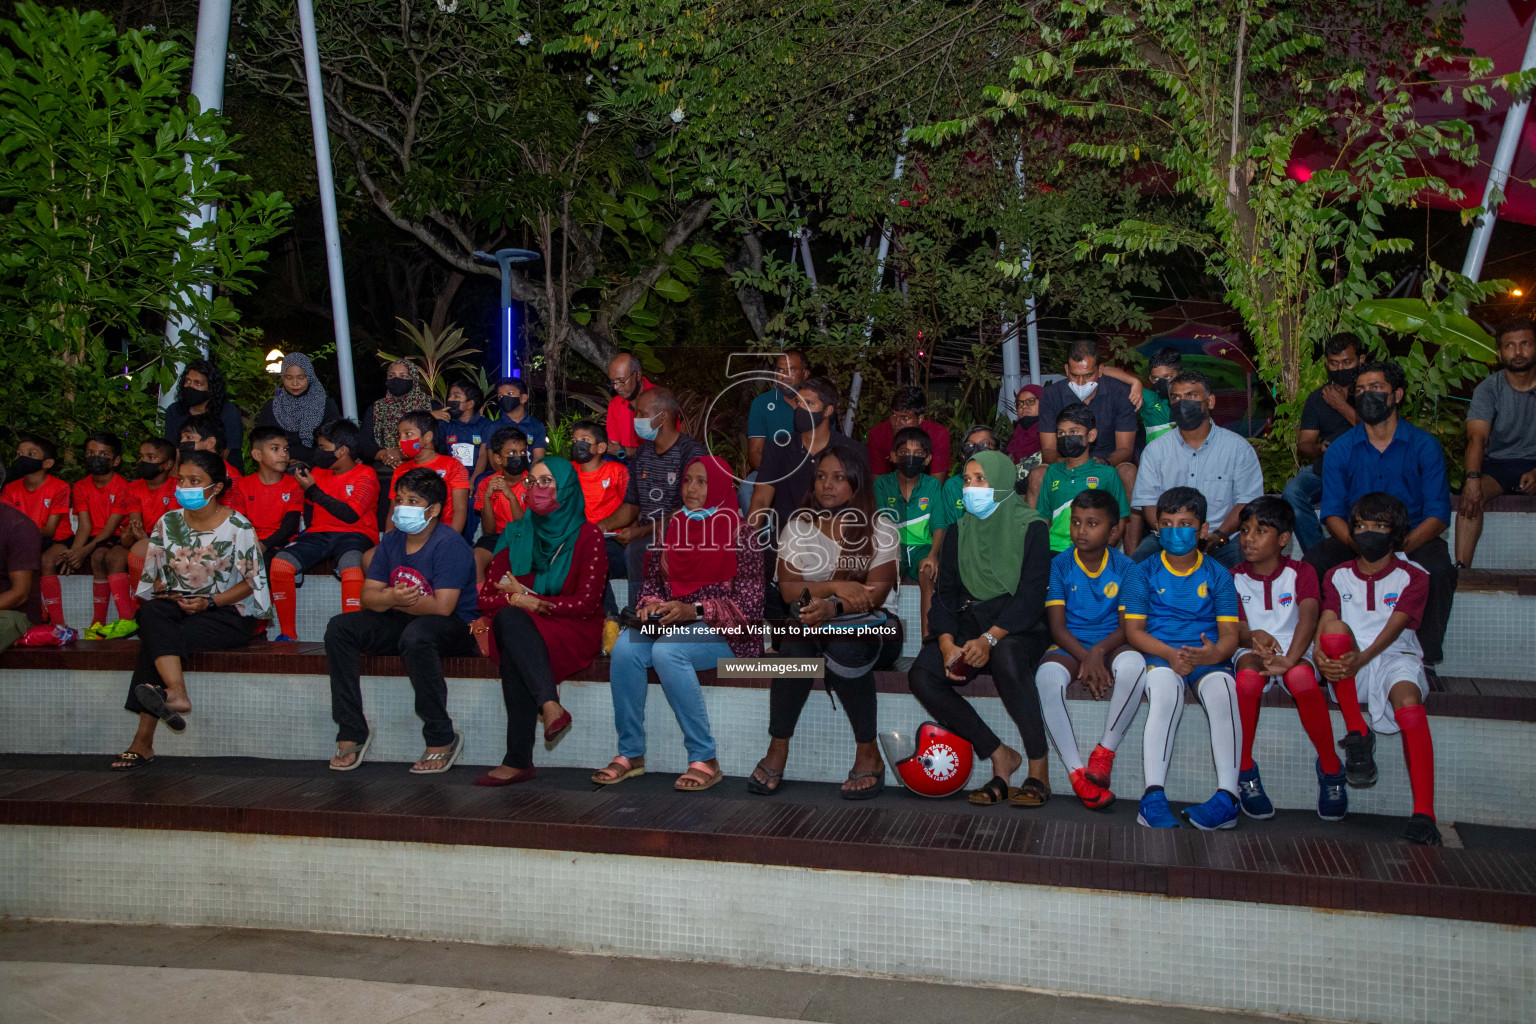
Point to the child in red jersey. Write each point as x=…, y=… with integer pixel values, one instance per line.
x=44, y=499
x=1367, y=647
x=499, y=499
x=1280, y=605
x=101, y=504
x=150, y=496
x=418, y=436
x=343, y=524
x=271, y=498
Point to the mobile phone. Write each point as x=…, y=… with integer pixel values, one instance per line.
x=958, y=667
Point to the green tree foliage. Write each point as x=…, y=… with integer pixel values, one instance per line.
x=102, y=158
x=1216, y=98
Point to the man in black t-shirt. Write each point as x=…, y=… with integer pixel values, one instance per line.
x=1329, y=411
x=655, y=479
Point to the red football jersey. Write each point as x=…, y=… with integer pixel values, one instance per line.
x=152, y=504
x=501, y=506
x=359, y=488
x=102, y=502
x=265, y=505
x=445, y=466
x=38, y=505
x=603, y=489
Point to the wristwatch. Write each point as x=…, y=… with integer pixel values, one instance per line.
x=698, y=610
x=990, y=639
x=1473, y=475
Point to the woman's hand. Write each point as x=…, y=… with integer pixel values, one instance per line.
x=947, y=652
x=674, y=613
x=508, y=585
x=976, y=652
x=855, y=596
x=193, y=605
x=817, y=611
x=391, y=457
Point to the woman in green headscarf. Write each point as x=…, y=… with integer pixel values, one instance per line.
x=989, y=613
x=543, y=594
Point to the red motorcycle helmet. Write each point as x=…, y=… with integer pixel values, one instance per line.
x=932, y=762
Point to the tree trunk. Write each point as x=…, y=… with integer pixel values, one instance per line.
x=750, y=257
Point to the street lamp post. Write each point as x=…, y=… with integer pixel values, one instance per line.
x=506, y=259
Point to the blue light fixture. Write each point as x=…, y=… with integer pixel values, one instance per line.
x=506, y=259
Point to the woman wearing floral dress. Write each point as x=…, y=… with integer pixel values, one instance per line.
x=204, y=589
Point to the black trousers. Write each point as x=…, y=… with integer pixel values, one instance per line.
x=527, y=683
x=1435, y=557
x=851, y=666
x=422, y=641
x=166, y=631
x=634, y=565
x=1012, y=666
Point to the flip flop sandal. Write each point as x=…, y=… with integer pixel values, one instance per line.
x=444, y=758
x=868, y=792
x=130, y=761
x=361, y=750
x=775, y=776
x=622, y=769
x=701, y=771
x=994, y=792
x=153, y=701
x=1034, y=793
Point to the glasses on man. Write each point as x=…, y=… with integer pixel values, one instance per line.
x=621, y=381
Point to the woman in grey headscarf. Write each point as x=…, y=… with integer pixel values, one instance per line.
x=299, y=407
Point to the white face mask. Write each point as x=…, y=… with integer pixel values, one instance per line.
x=1082, y=391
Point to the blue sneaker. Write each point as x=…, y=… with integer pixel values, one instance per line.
x=1332, y=797
x=1154, y=811
x=1220, y=811
x=1250, y=793
x=282, y=638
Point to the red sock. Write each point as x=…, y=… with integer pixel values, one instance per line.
x=1419, y=752
x=53, y=601
x=122, y=593
x=135, y=570
x=1312, y=709
x=1250, y=689
x=351, y=590
x=101, y=600
x=1334, y=645
x=282, y=583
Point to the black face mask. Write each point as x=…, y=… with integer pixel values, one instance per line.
x=1373, y=545
x=581, y=451
x=193, y=396
x=187, y=446
x=398, y=386
x=1071, y=446
x=1374, y=406
x=324, y=459
x=972, y=447
x=517, y=465
x=1188, y=414
x=148, y=470
x=911, y=466
x=1160, y=386
x=509, y=403
x=1025, y=422
x=1344, y=378
x=98, y=465
x=24, y=465
x=805, y=421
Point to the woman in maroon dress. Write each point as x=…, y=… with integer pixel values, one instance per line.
x=544, y=593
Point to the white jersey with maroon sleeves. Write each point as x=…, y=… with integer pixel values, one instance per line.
x=1273, y=603
x=1365, y=603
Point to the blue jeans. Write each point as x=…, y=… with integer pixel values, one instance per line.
x=744, y=491
x=1229, y=554
x=677, y=659
x=1302, y=493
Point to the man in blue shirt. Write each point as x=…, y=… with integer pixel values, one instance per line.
x=418, y=601
x=772, y=418
x=1384, y=452
x=512, y=400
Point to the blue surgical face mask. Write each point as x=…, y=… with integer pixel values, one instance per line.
x=646, y=429
x=979, y=501
x=409, y=518
x=1179, y=540
x=697, y=514
x=192, y=498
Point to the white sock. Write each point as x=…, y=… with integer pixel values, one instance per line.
x=1130, y=671
x=1218, y=692
x=1165, y=697
x=1051, y=679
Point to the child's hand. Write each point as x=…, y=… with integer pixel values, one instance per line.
x=1183, y=661
x=1264, y=645
x=1094, y=675
x=1342, y=667
x=928, y=568
x=1278, y=665
x=1205, y=654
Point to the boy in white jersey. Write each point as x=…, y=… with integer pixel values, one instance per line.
x=1279, y=608
x=1366, y=646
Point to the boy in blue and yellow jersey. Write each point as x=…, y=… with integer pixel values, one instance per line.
x=1082, y=604
x=1181, y=611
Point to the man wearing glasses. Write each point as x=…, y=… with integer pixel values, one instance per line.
x=627, y=382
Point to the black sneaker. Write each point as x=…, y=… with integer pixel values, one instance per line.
x=1421, y=831
x=1359, y=764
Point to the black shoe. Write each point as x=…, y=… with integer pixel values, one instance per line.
x=1421, y=831
x=1359, y=764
